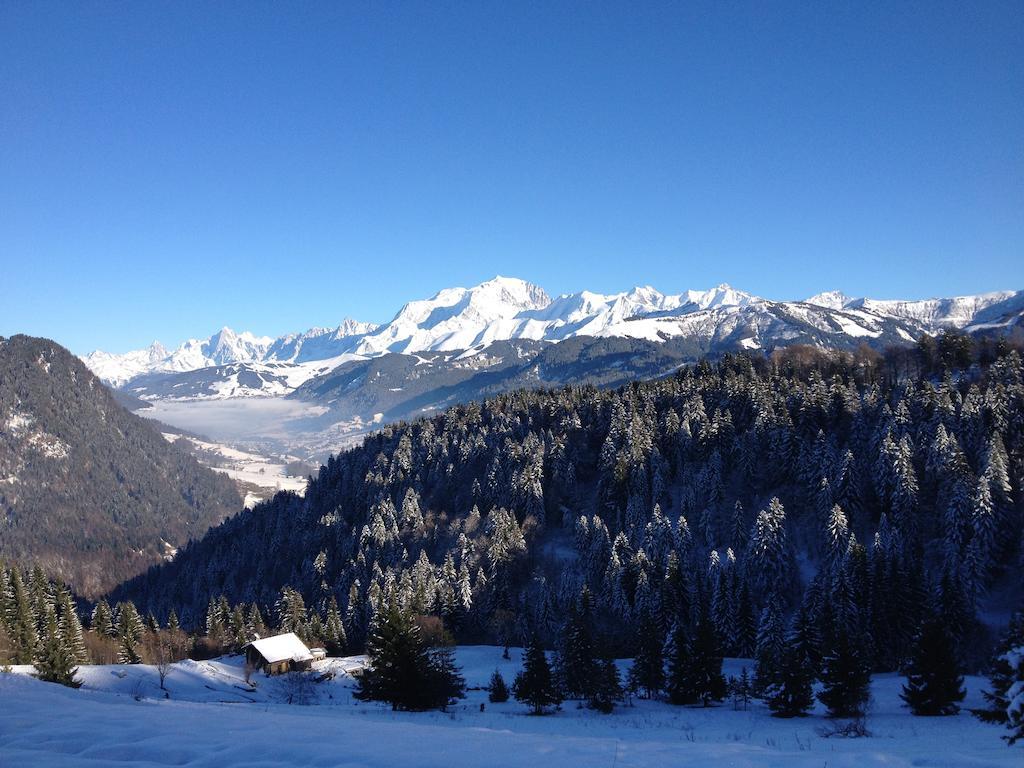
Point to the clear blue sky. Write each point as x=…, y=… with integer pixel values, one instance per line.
x=168, y=168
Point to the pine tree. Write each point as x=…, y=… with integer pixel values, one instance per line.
x=71, y=628
x=934, y=683
x=1004, y=673
x=708, y=684
x=172, y=621
x=790, y=694
x=102, y=622
x=402, y=671
x=845, y=675
x=695, y=667
x=677, y=680
x=577, y=666
x=607, y=688
x=22, y=622
x=768, y=653
x=334, y=630
x=648, y=670
x=497, y=691
x=56, y=662
x=741, y=689
x=129, y=632
x=535, y=685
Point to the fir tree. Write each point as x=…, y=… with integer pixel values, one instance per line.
x=577, y=666
x=497, y=691
x=102, y=622
x=741, y=689
x=768, y=653
x=129, y=632
x=334, y=630
x=934, y=683
x=535, y=685
x=56, y=662
x=790, y=694
x=402, y=671
x=71, y=628
x=845, y=675
x=607, y=688
x=1005, y=674
x=708, y=684
x=677, y=679
x=22, y=622
x=648, y=671
x=695, y=667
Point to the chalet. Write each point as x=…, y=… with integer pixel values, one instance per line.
x=278, y=654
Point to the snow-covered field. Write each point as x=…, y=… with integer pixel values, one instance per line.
x=211, y=717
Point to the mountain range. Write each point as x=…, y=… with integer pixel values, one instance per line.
x=466, y=322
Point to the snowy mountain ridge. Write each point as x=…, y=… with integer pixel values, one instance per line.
x=505, y=308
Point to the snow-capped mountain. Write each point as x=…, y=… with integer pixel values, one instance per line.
x=467, y=321
x=228, y=348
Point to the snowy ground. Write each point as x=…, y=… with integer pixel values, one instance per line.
x=213, y=718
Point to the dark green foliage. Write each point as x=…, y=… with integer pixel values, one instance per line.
x=402, y=671
x=647, y=674
x=607, y=688
x=21, y=621
x=535, y=685
x=845, y=675
x=934, y=683
x=695, y=667
x=769, y=647
x=497, y=691
x=791, y=694
x=577, y=666
x=677, y=681
x=334, y=630
x=93, y=507
x=129, y=633
x=56, y=661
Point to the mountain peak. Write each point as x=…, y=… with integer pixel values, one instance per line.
x=829, y=299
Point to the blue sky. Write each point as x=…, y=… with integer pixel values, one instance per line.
x=168, y=168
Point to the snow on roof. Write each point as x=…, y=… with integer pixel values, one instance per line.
x=281, y=648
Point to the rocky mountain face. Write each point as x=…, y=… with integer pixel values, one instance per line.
x=89, y=491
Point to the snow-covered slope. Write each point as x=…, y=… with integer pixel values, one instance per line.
x=208, y=714
x=468, y=320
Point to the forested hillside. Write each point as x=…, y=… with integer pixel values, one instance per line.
x=848, y=490
x=88, y=491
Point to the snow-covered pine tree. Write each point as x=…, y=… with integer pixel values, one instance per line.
x=55, y=662
x=1006, y=678
x=130, y=629
x=22, y=622
x=102, y=622
x=71, y=627
x=768, y=652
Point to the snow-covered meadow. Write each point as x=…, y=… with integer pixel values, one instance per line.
x=211, y=717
